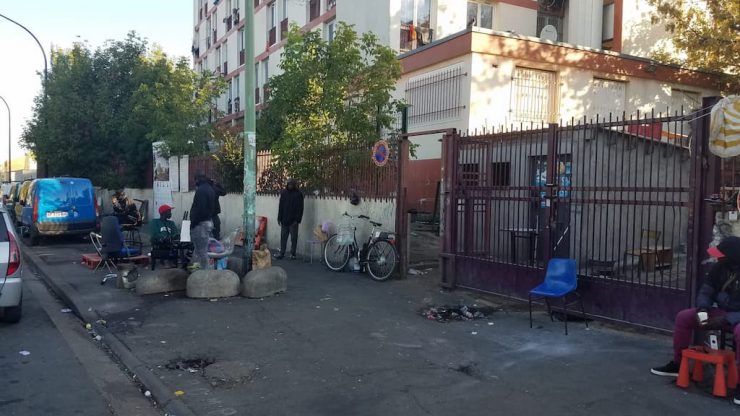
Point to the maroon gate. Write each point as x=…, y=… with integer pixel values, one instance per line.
x=621, y=196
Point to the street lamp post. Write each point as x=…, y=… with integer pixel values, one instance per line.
x=46, y=75
x=250, y=136
x=10, y=140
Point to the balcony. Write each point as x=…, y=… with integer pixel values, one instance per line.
x=271, y=36
x=284, y=28
x=237, y=107
x=241, y=57
x=314, y=10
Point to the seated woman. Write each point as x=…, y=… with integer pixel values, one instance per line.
x=125, y=209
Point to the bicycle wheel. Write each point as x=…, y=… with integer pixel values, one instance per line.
x=381, y=260
x=336, y=255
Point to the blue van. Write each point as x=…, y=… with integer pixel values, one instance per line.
x=59, y=206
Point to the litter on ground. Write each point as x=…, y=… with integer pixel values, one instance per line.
x=447, y=313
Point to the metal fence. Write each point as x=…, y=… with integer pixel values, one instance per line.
x=615, y=194
x=332, y=172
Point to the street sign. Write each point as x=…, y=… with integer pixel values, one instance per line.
x=381, y=151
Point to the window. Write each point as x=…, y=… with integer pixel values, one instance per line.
x=240, y=45
x=229, y=103
x=284, y=11
x=266, y=69
x=480, y=15
x=607, y=26
x=470, y=175
x=608, y=97
x=330, y=29
x=314, y=9
x=284, y=21
x=552, y=14
x=533, y=96
x=435, y=96
x=271, y=23
x=257, y=82
x=330, y=4
x=416, y=21
x=225, y=57
x=218, y=59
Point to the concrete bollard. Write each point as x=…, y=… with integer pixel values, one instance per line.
x=212, y=284
x=264, y=282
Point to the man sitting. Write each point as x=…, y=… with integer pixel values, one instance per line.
x=164, y=233
x=722, y=288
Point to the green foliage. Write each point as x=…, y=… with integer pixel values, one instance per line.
x=706, y=32
x=104, y=108
x=229, y=158
x=329, y=95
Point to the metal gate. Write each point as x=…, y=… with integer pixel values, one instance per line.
x=620, y=196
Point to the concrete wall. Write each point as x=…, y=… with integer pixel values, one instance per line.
x=316, y=211
x=520, y=20
x=375, y=17
x=639, y=36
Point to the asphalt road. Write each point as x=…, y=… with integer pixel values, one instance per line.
x=64, y=372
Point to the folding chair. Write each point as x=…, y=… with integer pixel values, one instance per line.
x=560, y=281
x=97, y=242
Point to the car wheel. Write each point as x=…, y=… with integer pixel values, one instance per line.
x=13, y=314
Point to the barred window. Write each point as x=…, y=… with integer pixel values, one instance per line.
x=436, y=96
x=533, y=96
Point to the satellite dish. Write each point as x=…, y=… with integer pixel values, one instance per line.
x=549, y=33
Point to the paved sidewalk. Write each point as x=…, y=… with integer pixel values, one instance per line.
x=342, y=344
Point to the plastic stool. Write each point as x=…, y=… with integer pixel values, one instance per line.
x=310, y=244
x=701, y=356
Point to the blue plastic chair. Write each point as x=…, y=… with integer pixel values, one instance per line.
x=560, y=281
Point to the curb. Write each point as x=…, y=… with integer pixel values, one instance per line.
x=161, y=393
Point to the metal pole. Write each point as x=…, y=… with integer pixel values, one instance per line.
x=46, y=75
x=10, y=139
x=250, y=136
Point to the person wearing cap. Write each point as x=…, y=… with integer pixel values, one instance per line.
x=722, y=287
x=163, y=230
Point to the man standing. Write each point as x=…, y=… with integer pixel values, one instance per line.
x=219, y=191
x=290, y=214
x=201, y=219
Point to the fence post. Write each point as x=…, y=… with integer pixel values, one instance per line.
x=401, y=217
x=550, y=229
x=448, y=218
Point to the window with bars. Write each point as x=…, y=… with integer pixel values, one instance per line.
x=533, y=96
x=470, y=174
x=436, y=96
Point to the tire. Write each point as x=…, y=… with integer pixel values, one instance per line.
x=336, y=255
x=13, y=314
x=382, y=259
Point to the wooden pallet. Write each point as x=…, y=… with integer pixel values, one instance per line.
x=92, y=260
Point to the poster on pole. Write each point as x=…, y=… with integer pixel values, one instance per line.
x=162, y=187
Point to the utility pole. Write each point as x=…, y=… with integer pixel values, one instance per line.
x=250, y=136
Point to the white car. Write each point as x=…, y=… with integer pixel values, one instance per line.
x=11, y=286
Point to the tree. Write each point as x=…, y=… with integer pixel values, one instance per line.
x=706, y=33
x=104, y=108
x=329, y=95
x=229, y=158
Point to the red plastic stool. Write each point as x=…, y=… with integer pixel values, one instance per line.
x=703, y=355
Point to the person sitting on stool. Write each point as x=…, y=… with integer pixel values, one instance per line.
x=722, y=287
x=164, y=231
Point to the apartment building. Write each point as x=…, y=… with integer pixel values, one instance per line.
x=478, y=64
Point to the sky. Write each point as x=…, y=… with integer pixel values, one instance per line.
x=60, y=23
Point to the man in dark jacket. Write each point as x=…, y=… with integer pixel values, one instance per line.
x=290, y=214
x=722, y=287
x=201, y=219
x=219, y=191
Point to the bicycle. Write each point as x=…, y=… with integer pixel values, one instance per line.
x=378, y=255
